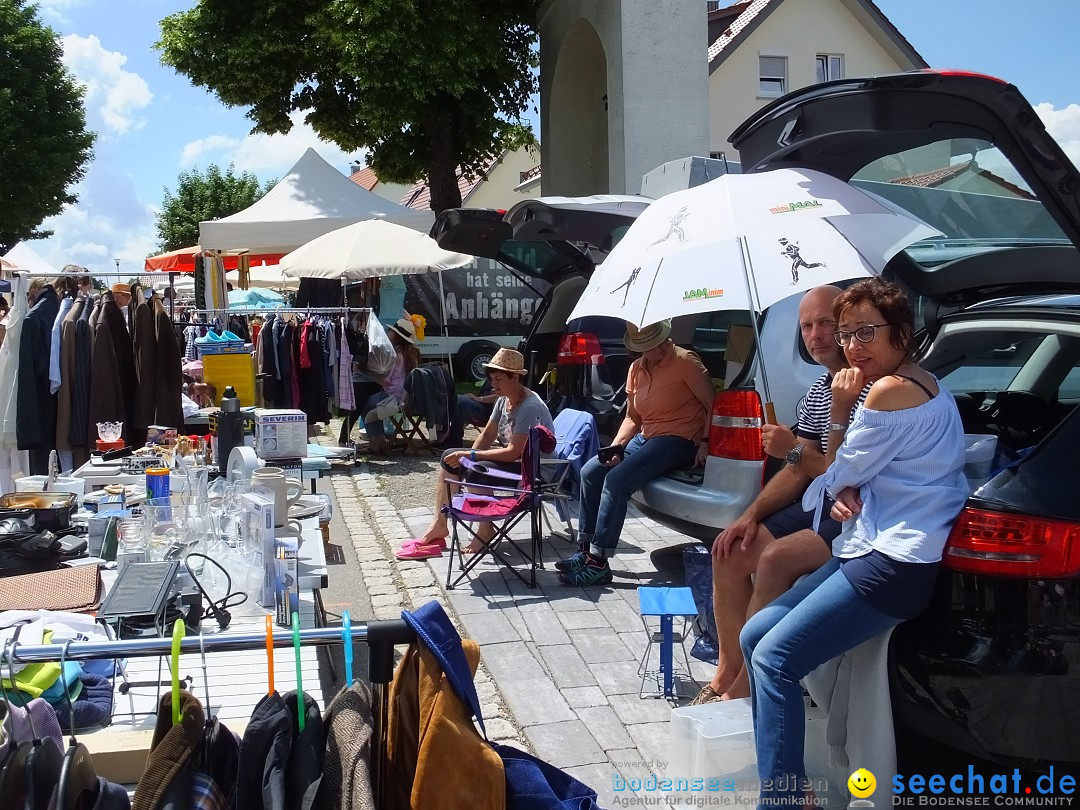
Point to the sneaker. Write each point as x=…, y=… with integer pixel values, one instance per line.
x=589, y=574
x=575, y=562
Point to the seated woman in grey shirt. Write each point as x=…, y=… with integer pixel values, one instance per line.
x=500, y=445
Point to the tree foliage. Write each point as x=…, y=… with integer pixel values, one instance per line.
x=426, y=85
x=44, y=145
x=201, y=197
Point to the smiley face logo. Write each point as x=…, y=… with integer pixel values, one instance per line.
x=861, y=783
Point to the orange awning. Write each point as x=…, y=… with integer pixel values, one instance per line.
x=183, y=260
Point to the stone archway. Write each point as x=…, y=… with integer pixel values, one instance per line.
x=578, y=115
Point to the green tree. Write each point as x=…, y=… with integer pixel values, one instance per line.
x=44, y=145
x=427, y=86
x=200, y=197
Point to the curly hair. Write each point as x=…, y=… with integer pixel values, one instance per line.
x=890, y=301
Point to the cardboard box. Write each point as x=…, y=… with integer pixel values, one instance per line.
x=280, y=433
x=286, y=583
x=257, y=527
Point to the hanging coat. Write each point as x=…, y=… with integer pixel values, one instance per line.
x=166, y=780
x=144, y=354
x=346, y=780
x=36, y=420
x=67, y=375
x=112, y=369
x=81, y=436
x=170, y=378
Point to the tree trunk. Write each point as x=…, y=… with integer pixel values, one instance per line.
x=442, y=172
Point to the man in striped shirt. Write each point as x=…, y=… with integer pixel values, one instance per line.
x=773, y=543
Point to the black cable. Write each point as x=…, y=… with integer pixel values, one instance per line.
x=218, y=609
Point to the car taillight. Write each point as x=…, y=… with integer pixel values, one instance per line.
x=1011, y=545
x=735, y=426
x=580, y=349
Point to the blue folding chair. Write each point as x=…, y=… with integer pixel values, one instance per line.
x=576, y=441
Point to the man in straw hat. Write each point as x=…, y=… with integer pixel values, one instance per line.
x=669, y=397
x=499, y=445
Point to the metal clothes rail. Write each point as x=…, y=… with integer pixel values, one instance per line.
x=381, y=637
x=282, y=311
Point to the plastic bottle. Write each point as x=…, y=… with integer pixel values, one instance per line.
x=230, y=427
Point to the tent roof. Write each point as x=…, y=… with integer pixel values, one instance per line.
x=182, y=260
x=312, y=199
x=24, y=258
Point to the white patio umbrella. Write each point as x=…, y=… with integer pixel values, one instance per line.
x=745, y=241
x=373, y=248
x=369, y=248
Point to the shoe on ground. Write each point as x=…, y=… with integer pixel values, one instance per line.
x=591, y=573
x=420, y=541
x=421, y=551
x=706, y=695
x=575, y=562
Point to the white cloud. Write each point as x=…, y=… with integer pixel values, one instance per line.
x=1064, y=126
x=114, y=96
x=264, y=155
x=55, y=12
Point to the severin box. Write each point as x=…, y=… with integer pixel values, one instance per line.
x=280, y=433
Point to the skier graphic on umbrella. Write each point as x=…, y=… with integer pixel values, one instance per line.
x=626, y=285
x=791, y=250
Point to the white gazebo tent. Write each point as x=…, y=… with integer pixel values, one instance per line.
x=314, y=198
x=22, y=257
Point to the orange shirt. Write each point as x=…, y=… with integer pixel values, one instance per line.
x=664, y=397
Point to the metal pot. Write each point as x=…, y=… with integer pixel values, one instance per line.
x=47, y=510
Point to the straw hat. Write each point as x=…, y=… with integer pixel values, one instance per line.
x=121, y=287
x=507, y=360
x=641, y=340
x=406, y=329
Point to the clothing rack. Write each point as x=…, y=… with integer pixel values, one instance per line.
x=381, y=637
x=104, y=274
x=282, y=311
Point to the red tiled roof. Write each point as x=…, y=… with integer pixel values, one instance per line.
x=365, y=178
x=419, y=196
x=529, y=174
x=750, y=11
x=936, y=177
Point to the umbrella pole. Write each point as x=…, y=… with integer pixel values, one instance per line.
x=445, y=330
x=751, y=294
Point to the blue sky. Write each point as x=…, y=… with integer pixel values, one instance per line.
x=152, y=124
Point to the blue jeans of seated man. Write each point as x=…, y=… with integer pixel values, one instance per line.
x=376, y=427
x=606, y=491
x=818, y=619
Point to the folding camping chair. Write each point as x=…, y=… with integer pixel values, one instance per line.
x=422, y=387
x=576, y=442
x=503, y=506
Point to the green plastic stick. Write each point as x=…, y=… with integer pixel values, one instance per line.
x=301, y=707
x=177, y=635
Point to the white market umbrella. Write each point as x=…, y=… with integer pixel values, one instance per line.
x=746, y=241
x=373, y=248
x=370, y=248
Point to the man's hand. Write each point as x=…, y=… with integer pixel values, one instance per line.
x=847, y=505
x=847, y=384
x=777, y=440
x=742, y=531
x=702, y=454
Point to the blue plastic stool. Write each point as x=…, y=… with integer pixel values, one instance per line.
x=665, y=603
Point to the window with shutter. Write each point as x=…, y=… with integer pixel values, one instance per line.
x=772, y=76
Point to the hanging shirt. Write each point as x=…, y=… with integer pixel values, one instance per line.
x=66, y=304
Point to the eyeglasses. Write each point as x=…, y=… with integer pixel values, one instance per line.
x=864, y=334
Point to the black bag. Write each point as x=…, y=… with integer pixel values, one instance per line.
x=477, y=472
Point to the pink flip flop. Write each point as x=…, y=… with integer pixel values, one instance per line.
x=419, y=541
x=419, y=551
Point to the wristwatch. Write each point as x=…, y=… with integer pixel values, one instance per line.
x=794, y=455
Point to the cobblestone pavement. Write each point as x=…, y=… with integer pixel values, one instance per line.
x=559, y=670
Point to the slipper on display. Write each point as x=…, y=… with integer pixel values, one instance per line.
x=421, y=551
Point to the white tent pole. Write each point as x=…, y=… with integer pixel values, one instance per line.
x=445, y=330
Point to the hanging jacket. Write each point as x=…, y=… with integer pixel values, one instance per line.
x=264, y=754
x=346, y=779
x=107, y=392
x=67, y=374
x=81, y=436
x=36, y=419
x=169, y=381
x=166, y=779
x=437, y=757
x=147, y=365
x=304, y=769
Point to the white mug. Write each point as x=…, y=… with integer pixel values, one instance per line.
x=291, y=528
x=287, y=491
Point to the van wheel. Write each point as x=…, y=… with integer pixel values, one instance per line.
x=470, y=361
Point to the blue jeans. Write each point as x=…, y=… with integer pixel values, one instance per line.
x=818, y=619
x=376, y=427
x=605, y=491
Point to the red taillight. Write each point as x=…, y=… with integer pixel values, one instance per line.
x=735, y=426
x=580, y=349
x=1008, y=545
